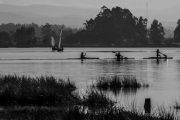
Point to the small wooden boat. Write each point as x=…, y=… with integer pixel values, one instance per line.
x=125, y=58
x=85, y=58
x=58, y=48
x=159, y=58
x=90, y=58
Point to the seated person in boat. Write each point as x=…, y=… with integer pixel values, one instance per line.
x=83, y=55
x=118, y=55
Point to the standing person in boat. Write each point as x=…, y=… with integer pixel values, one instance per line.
x=83, y=55
x=158, y=54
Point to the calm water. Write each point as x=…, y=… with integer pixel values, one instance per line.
x=163, y=77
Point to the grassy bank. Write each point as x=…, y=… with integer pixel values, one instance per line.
x=77, y=113
x=49, y=98
x=115, y=113
x=96, y=100
x=39, y=91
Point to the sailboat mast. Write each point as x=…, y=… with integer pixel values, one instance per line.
x=59, y=46
x=147, y=10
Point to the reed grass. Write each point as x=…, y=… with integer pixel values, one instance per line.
x=119, y=82
x=34, y=113
x=115, y=113
x=40, y=91
x=112, y=113
x=47, y=95
x=177, y=105
x=165, y=114
x=96, y=99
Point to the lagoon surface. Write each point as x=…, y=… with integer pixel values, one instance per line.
x=163, y=76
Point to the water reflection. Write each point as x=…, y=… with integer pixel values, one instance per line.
x=122, y=91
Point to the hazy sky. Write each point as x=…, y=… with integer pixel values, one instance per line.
x=153, y=4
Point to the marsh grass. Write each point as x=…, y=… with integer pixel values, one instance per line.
x=40, y=91
x=31, y=113
x=42, y=98
x=96, y=100
x=115, y=113
x=165, y=114
x=76, y=113
x=126, y=82
x=177, y=105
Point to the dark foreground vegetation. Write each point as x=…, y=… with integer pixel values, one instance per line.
x=117, y=83
x=111, y=27
x=48, y=98
x=39, y=91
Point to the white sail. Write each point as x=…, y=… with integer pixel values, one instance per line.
x=59, y=45
x=52, y=41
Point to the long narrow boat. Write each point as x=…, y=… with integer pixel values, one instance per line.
x=159, y=58
x=85, y=58
x=125, y=58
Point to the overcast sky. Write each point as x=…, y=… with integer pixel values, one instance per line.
x=153, y=4
x=163, y=10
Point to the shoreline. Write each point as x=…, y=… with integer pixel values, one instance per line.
x=97, y=47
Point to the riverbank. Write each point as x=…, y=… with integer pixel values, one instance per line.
x=50, y=98
x=100, y=46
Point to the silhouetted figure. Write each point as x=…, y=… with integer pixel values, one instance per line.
x=119, y=56
x=158, y=54
x=147, y=105
x=83, y=55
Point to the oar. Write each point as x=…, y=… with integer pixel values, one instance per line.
x=163, y=54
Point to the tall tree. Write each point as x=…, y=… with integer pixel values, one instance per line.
x=25, y=36
x=111, y=27
x=4, y=39
x=156, y=32
x=46, y=32
x=177, y=32
x=141, y=34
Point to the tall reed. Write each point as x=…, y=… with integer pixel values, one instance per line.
x=118, y=82
x=24, y=90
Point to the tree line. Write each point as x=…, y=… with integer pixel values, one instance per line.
x=31, y=35
x=118, y=27
x=111, y=27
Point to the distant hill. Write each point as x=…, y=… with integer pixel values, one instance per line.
x=75, y=17
x=42, y=14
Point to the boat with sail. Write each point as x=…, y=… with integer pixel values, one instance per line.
x=59, y=47
x=54, y=47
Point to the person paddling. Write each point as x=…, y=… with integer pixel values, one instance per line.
x=158, y=54
x=83, y=55
x=119, y=56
